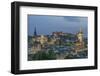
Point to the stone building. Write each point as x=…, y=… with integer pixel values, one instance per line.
x=79, y=44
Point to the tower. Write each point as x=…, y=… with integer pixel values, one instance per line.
x=35, y=33
x=80, y=35
x=80, y=42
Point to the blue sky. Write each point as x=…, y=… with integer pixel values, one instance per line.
x=46, y=24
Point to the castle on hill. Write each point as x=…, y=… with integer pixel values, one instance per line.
x=43, y=41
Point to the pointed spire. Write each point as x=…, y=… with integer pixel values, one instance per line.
x=80, y=28
x=35, y=33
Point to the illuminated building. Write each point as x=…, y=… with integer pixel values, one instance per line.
x=79, y=44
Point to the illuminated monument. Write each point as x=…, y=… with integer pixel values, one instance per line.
x=79, y=44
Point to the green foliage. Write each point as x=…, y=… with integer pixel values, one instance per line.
x=43, y=55
x=69, y=44
x=82, y=54
x=68, y=36
x=30, y=42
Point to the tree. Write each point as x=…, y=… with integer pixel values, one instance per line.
x=43, y=55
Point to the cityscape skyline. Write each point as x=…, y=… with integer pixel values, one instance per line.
x=45, y=25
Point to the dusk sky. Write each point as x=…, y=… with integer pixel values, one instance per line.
x=46, y=24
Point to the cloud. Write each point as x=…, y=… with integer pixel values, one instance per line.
x=49, y=24
x=75, y=18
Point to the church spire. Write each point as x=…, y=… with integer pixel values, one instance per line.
x=81, y=29
x=35, y=33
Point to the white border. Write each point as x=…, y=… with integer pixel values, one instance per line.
x=26, y=65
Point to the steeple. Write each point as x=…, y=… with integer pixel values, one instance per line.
x=35, y=33
x=81, y=29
